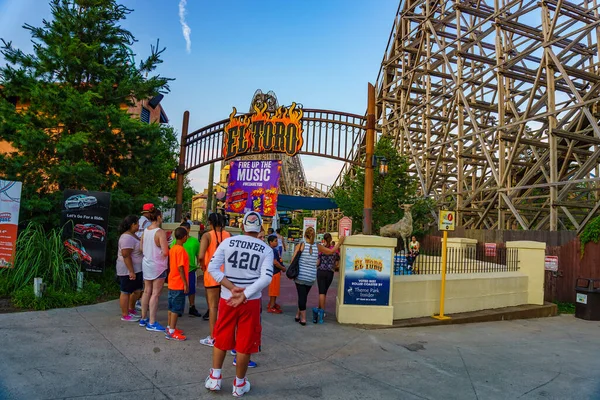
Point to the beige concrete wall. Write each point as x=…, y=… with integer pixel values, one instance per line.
x=531, y=263
x=419, y=295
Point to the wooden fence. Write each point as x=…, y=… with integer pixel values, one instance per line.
x=560, y=285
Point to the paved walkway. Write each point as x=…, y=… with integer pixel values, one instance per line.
x=88, y=353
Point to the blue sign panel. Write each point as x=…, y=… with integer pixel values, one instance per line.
x=367, y=276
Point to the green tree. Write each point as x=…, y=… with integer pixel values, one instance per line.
x=75, y=131
x=389, y=192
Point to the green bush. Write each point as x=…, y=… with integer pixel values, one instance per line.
x=591, y=233
x=565, y=308
x=24, y=298
x=40, y=254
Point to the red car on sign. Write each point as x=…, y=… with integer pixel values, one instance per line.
x=77, y=251
x=90, y=231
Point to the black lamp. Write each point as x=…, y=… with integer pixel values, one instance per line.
x=383, y=164
x=174, y=173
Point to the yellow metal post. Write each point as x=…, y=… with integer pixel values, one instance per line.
x=441, y=316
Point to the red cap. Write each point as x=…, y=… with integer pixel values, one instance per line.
x=147, y=207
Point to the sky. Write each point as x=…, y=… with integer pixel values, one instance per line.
x=319, y=53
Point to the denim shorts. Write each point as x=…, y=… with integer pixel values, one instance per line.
x=176, y=301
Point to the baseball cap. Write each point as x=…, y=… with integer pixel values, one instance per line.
x=147, y=207
x=252, y=222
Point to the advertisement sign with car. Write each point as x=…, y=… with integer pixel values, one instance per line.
x=10, y=202
x=85, y=221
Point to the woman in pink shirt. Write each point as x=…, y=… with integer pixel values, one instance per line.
x=129, y=268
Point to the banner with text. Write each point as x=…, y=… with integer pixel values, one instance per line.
x=253, y=186
x=367, y=276
x=85, y=237
x=10, y=202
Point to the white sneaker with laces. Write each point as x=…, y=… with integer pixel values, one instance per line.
x=238, y=391
x=212, y=383
x=208, y=341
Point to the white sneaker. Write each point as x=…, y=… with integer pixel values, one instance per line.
x=138, y=305
x=208, y=341
x=212, y=383
x=238, y=391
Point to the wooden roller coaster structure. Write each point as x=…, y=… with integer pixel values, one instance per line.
x=496, y=104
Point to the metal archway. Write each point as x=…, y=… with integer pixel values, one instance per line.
x=330, y=134
x=336, y=135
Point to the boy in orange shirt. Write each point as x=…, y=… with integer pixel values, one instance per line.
x=179, y=265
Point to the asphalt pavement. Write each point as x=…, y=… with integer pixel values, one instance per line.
x=88, y=353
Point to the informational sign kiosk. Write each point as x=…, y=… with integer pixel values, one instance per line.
x=366, y=281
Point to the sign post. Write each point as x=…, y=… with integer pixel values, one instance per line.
x=345, y=227
x=309, y=222
x=446, y=223
x=10, y=202
x=85, y=221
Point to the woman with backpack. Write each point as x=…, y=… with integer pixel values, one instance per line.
x=309, y=253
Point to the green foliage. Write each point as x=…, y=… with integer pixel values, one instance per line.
x=389, y=192
x=565, y=308
x=591, y=233
x=40, y=254
x=76, y=132
x=52, y=298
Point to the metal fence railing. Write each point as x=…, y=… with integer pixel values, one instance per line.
x=477, y=258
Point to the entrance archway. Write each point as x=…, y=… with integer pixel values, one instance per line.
x=330, y=134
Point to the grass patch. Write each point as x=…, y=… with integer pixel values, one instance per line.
x=91, y=293
x=565, y=307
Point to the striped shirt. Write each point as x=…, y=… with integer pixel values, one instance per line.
x=308, y=263
x=248, y=264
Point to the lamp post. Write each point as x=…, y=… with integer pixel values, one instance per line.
x=383, y=164
x=174, y=173
x=370, y=141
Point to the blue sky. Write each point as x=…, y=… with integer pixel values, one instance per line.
x=321, y=54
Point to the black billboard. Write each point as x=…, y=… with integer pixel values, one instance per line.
x=85, y=220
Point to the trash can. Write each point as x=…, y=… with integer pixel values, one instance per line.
x=587, y=304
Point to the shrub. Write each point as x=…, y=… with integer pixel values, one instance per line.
x=24, y=298
x=40, y=254
x=591, y=233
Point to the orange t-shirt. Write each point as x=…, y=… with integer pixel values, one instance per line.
x=178, y=257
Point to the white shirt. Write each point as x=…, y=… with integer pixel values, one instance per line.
x=144, y=223
x=248, y=264
x=154, y=262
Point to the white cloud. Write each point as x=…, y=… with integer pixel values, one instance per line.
x=185, y=29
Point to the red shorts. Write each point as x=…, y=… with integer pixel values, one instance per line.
x=238, y=328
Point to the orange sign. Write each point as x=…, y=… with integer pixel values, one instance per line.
x=10, y=202
x=278, y=132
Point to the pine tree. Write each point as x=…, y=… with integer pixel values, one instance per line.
x=75, y=131
x=389, y=191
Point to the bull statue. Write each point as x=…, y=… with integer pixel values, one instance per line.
x=401, y=229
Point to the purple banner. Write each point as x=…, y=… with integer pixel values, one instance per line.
x=253, y=185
